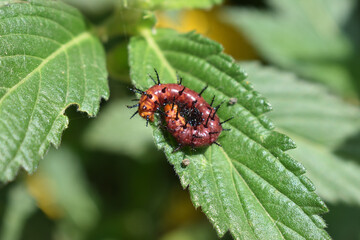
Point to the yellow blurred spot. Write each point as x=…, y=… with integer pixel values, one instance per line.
x=40, y=188
x=179, y=210
x=209, y=24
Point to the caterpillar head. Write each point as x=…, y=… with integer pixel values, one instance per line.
x=147, y=106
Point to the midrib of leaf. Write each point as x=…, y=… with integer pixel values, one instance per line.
x=155, y=47
x=147, y=35
x=232, y=167
x=150, y=40
x=224, y=218
x=78, y=39
x=216, y=184
x=231, y=164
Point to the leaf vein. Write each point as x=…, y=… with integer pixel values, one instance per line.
x=147, y=35
x=22, y=55
x=41, y=17
x=301, y=207
x=230, y=161
x=37, y=4
x=216, y=186
x=84, y=75
x=32, y=35
x=92, y=44
x=78, y=39
x=28, y=123
x=231, y=167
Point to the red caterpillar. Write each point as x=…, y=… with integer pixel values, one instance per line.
x=189, y=118
x=197, y=133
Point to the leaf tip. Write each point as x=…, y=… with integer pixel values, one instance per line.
x=319, y=221
x=307, y=183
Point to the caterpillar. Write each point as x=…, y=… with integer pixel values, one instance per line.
x=188, y=117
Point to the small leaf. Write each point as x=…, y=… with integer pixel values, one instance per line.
x=249, y=187
x=48, y=61
x=303, y=36
x=319, y=122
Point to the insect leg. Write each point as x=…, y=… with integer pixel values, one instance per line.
x=134, y=114
x=136, y=105
x=201, y=92
x=157, y=76
x=226, y=120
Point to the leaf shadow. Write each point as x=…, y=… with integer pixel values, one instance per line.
x=350, y=148
x=352, y=31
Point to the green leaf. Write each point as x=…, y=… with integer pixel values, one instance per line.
x=249, y=187
x=19, y=208
x=48, y=61
x=303, y=36
x=319, y=123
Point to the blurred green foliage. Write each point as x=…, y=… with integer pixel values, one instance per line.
x=319, y=124
x=107, y=180
x=309, y=37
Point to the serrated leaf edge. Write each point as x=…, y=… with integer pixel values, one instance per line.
x=146, y=33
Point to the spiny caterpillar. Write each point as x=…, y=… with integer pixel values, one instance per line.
x=188, y=117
